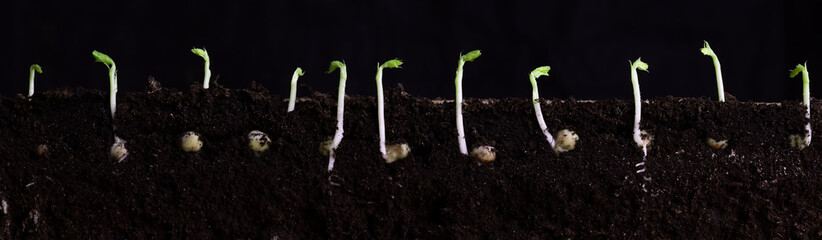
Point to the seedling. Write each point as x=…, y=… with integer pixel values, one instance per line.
x=394, y=152
x=258, y=142
x=806, y=100
x=718, y=145
x=293, y=97
x=112, y=78
x=338, y=135
x=458, y=82
x=32, y=69
x=638, y=138
x=706, y=50
x=118, y=150
x=539, y=72
x=204, y=54
x=190, y=142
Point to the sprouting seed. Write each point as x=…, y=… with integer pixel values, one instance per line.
x=638, y=138
x=32, y=69
x=806, y=100
x=204, y=54
x=190, y=142
x=292, y=97
x=468, y=57
x=718, y=145
x=387, y=154
x=338, y=135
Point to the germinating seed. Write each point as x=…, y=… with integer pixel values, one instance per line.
x=396, y=152
x=566, y=141
x=258, y=141
x=190, y=142
x=718, y=145
x=118, y=150
x=485, y=154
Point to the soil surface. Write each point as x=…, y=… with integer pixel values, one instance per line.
x=757, y=188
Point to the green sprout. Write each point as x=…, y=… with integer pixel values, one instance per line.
x=338, y=135
x=638, y=64
x=112, y=76
x=32, y=69
x=706, y=50
x=458, y=82
x=806, y=99
x=393, y=155
x=293, y=97
x=204, y=54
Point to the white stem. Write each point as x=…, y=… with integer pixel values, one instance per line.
x=31, y=82
x=293, y=96
x=719, y=85
x=207, y=74
x=542, y=125
x=538, y=111
x=112, y=75
x=338, y=135
x=381, y=111
x=806, y=99
x=637, y=106
x=458, y=100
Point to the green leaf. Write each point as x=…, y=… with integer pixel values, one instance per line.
x=335, y=65
x=103, y=58
x=392, y=64
x=706, y=49
x=639, y=64
x=300, y=71
x=799, y=68
x=540, y=71
x=468, y=57
x=36, y=68
x=200, y=52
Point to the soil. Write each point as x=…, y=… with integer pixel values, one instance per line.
x=757, y=188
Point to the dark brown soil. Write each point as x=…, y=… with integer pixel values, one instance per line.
x=757, y=188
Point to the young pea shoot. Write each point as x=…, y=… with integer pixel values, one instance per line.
x=32, y=69
x=802, y=142
x=458, y=82
x=204, y=54
x=706, y=50
x=539, y=72
x=394, y=152
x=338, y=135
x=638, y=64
x=567, y=138
x=112, y=78
x=293, y=96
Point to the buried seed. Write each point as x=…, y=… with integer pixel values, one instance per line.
x=485, y=154
x=396, y=152
x=42, y=150
x=718, y=145
x=118, y=150
x=258, y=141
x=566, y=141
x=190, y=142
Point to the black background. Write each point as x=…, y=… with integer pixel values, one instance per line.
x=587, y=43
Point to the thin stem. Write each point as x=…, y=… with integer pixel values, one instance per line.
x=458, y=100
x=380, y=110
x=338, y=135
x=293, y=96
x=638, y=64
x=540, y=71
